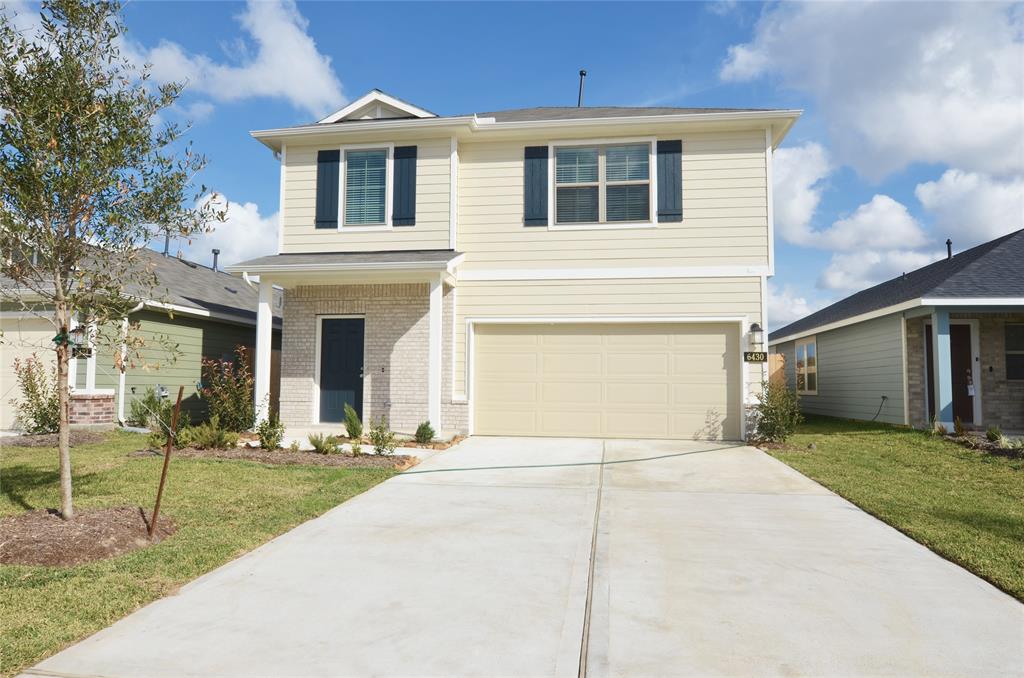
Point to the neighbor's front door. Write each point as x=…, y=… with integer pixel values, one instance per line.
x=960, y=371
x=341, y=367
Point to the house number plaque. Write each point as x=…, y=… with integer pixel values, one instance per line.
x=755, y=357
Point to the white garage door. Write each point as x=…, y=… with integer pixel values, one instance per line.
x=21, y=338
x=612, y=380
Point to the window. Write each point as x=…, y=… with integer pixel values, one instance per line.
x=603, y=184
x=366, y=187
x=807, y=366
x=1015, y=351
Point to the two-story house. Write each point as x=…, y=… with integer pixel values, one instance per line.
x=544, y=271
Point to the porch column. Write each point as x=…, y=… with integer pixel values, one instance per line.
x=434, y=356
x=122, y=368
x=264, y=336
x=90, y=362
x=942, y=379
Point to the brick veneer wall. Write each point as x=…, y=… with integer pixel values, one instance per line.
x=454, y=415
x=395, y=354
x=915, y=372
x=92, y=410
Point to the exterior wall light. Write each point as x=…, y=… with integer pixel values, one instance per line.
x=756, y=334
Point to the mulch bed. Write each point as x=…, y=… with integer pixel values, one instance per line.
x=433, y=446
x=398, y=462
x=50, y=439
x=978, y=441
x=42, y=537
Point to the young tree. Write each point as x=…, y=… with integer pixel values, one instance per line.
x=88, y=177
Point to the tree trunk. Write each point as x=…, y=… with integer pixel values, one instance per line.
x=67, y=511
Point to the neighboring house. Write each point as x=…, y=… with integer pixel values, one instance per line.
x=943, y=342
x=206, y=313
x=539, y=271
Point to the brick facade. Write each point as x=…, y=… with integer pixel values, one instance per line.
x=92, y=410
x=1002, y=401
x=395, y=352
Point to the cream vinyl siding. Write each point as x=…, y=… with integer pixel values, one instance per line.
x=717, y=297
x=433, y=189
x=21, y=338
x=857, y=364
x=725, y=212
x=645, y=380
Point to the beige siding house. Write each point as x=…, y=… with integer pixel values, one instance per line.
x=544, y=271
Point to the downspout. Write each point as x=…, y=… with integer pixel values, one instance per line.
x=124, y=358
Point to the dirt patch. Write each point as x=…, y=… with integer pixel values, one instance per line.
x=398, y=462
x=42, y=537
x=50, y=439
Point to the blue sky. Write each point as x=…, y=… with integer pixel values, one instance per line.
x=913, y=128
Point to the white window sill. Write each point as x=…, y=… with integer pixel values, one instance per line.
x=604, y=227
x=363, y=229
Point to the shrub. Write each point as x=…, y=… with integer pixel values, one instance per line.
x=270, y=432
x=295, y=447
x=156, y=413
x=993, y=434
x=357, y=449
x=382, y=438
x=958, y=428
x=228, y=389
x=424, y=433
x=778, y=412
x=207, y=436
x=38, y=409
x=323, y=443
x=353, y=424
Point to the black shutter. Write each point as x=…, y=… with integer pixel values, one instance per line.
x=670, y=181
x=403, y=208
x=535, y=186
x=327, y=167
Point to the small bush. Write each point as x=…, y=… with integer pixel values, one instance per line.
x=208, y=436
x=228, y=389
x=295, y=447
x=958, y=428
x=270, y=432
x=353, y=424
x=424, y=433
x=38, y=409
x=357, y=449
x=323, y=443
x=778, y=412
x=938, y=428
x=382, y=438
x=993, y=434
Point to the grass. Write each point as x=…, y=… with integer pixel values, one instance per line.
x=965, y=505
x=222, y=509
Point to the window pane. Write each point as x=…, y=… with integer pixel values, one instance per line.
x=1014, y=337
x=628, y=203
x=800, y=382
x=800, y=356
x=627, y=163
x=576, y=165
x=811, y=357
x=812, y=382
x=1015, y=366
x=576, y=205
x=365, y=186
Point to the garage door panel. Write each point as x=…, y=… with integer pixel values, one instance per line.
x=608, y=380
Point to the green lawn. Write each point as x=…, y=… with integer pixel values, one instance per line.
x=967, y=506
x=222, y=509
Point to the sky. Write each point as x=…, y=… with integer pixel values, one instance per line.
x=912, y=133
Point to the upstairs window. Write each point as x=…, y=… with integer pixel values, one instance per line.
x=1015, y=351
x=807, y=366
x=366, y=187
x=603, y=184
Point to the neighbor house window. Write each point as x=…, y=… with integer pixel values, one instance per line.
x=366, y=187
x=1015, y=351
x=807, y=366
x=603, y=184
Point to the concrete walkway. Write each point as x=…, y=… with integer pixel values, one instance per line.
x=709, y=560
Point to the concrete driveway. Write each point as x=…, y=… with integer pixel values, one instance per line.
x=709, y=559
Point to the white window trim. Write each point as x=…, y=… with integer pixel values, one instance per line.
x=316, y=374
x=652, y=171
x=1007, y=351
x=388, y=187
x=813, y=339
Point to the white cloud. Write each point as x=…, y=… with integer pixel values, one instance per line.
x=882, y=223
x=798, y=175
x=787, y=304
x=901, y=83
x=245, y=234
x=854, y=271
x=972, y=208
x=279, y=60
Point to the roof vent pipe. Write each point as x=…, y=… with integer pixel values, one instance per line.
x=216, y=253
x=949, y=248
x=579, y=98
x=167, y=242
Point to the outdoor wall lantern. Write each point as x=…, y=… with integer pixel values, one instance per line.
x=756, y=334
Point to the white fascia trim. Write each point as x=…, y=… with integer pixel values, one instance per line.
x=448, y=266
x=614, y=273
x=975, y=301
x=905, y=306
x=376, y=95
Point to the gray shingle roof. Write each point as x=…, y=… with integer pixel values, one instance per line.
x=578, y=113
x=992, y=269
x=342, y=258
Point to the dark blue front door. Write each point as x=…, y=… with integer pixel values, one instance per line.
x=341, y=367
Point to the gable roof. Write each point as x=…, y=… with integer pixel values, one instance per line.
x=994, y=269
x=591, y=112
x=376, y=96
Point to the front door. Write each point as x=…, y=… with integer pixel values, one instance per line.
x=341, y=367
x=961, y=368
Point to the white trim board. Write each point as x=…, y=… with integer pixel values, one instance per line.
x=389, y=186
x=375, y=95
x=605, y=273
